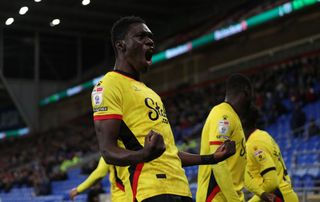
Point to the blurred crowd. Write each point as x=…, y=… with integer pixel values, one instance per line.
x=37, y=160
x=286, y=87
x=280, y=89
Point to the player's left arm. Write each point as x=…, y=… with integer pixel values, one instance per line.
x=267, y=169
x=254, y=185
x=224, y=151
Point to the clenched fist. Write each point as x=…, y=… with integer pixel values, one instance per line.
x=227, y=149
x=153, y=146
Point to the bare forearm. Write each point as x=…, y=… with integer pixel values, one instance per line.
x=122, y=157
x=188, y=159
x=221, y=153
x=107, y=134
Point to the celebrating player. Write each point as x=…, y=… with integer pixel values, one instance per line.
x=118, y=193
x=224, y=181
x=126, y=110
x=266, y=174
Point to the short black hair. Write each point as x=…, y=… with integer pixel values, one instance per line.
x=120, y=28
x=238, y=83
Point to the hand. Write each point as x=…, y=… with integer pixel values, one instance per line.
x=153, y=146
x=73, y=193
x=268, y=197
x=227, y=149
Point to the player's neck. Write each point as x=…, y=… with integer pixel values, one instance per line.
x=123, y=66
x=234, y=103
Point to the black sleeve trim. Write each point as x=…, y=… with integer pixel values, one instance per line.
x=267, y=170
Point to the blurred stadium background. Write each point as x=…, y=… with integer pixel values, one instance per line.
x=54, y=51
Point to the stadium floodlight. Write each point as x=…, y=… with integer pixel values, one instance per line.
x=9, y=21
x=54, y=22
x=37, y=0
x=85, y=2
x=23, y=10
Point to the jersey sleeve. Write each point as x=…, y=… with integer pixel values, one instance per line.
x=259, y=156
x=253, y=184
x=107, y=100
x=100, y=172
x=219, y=128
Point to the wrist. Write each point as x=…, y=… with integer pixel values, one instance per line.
x=144, y=157
x=208, y=159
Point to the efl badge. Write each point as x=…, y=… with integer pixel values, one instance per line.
x=223, y=127
x=97, y=99
x=259, y=154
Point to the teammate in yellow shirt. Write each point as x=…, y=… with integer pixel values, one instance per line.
x=118, y=192
x=126, y=110
x=225, y=180
x=265, y=171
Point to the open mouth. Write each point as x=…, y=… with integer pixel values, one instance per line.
x=149, y=55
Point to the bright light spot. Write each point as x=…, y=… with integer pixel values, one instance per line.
x=37, y=0
x=9, y=21
x=54, y=22
x=85, y=2
x=23, y=10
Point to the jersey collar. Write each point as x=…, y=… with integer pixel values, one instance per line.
x=132, y=76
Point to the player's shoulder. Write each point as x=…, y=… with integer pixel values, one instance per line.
x=222, y=108
x=223, y=111
x=259, y=138
x=109, y=80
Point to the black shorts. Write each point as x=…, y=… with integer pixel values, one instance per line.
x=168, y=198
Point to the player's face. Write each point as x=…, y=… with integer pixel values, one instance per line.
x=139, y=47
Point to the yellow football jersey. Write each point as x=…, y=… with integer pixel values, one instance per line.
x=117, y=187
x=264, y=156
x=120, y=190
x=224, y=180
x=120, y=96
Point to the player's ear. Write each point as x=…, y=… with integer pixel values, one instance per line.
x=121, y=45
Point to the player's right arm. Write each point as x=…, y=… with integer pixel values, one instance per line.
x=220, y=128
x=108, y=133
x=108, y=110
x=100, y=172
x=264, y=164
